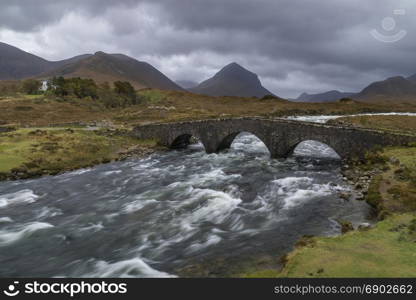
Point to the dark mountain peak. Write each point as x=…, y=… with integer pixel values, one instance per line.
x=232, y=80
x=236, y=74
x=234, y=69
x=233, y=66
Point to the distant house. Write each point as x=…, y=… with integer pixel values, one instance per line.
x=44, y=86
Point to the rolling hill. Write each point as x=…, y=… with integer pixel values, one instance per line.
x=17, y=64
x=412, y=78
x=103, y=67
x=232, y=80
x=398, y=89
x=330, y=96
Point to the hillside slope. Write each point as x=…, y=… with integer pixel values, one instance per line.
x=398, y=89
x=17, y=64
x=103, y=67
x=329, y=96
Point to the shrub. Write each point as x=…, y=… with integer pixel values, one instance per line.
x=31, y=86
x=269, y=97
x=78, y=87
x=126, y=91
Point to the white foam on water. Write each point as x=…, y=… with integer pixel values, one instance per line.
x=184, y=219
x=301, y=196
x=23, y=196
x=144, y=163
x=48, y=212
x=79, y=172
x=210, y=177
x=298, y=190
x=9, y=237
x=215, y=207
x=131, y=268
x=112, y=172
x=5, y=220
x=212, y=239
x=137, y=205
x=290, y=182
x=93, y=227
x=323, y=119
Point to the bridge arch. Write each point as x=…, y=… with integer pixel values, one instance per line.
x=335, y=147
x=227, y=141
x=183, y=140
x=311, y=146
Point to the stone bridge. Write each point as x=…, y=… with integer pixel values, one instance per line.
x=281, y=136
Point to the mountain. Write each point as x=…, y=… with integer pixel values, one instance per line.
x=17, y=64
x=330, y=96
x=186, y=84
x=412, y=78
x=232, y=80
x=392, y=87
x=103, y=67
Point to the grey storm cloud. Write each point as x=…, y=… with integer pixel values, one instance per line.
x=294, y=45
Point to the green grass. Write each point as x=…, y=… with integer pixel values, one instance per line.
x=34, y=152
x=380, y=252
x=406, y=156
x=152, y=96
x=388, y=250
x=403, y=124
x=13, y=153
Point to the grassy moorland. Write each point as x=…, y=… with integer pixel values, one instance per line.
x=388, y=250
x=389, y=123
x=34, y=152
x=80, y=102
x=163, y=106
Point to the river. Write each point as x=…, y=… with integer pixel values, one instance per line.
x=150, y=217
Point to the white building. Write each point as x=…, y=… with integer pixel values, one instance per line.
x=44, y=86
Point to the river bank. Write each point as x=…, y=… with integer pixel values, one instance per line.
x=387, y=182
x=33, y=152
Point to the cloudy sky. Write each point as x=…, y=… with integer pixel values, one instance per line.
x=293, y=45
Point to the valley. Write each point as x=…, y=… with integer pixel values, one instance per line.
x=73, y=176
